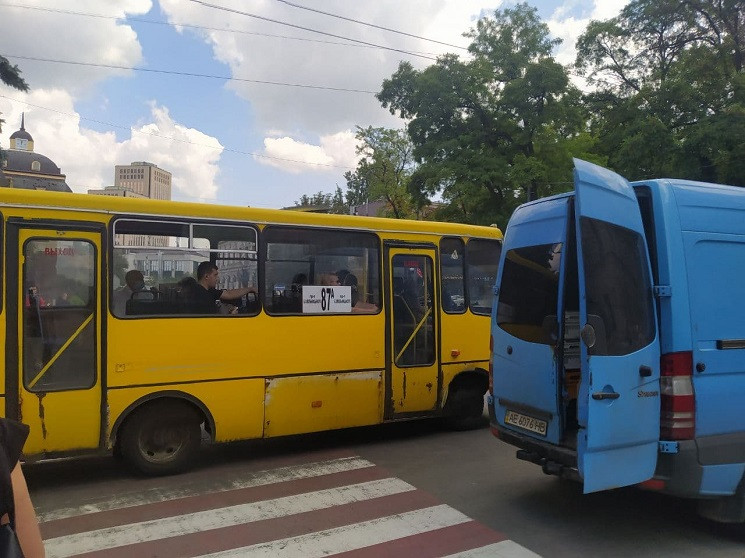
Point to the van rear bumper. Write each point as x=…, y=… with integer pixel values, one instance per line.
x=681, y=472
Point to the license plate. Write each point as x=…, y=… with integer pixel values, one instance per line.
x=525, y=422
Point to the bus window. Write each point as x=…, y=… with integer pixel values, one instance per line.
x=482, y=261
x=296, y=257
x=168, y=252
x=452, y=264
x=59, y=315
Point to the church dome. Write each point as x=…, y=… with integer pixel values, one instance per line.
x=22, y=133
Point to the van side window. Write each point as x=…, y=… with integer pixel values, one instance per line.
x=529, y=291
x=618, y=288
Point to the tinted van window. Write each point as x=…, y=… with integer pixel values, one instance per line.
x=528, y=294
x=618, y=288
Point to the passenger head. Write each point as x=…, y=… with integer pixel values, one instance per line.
x=300, y=279
x=329, y=279
x=135, y=280
x=187, y=284
x=348, y=279
x=207, y=274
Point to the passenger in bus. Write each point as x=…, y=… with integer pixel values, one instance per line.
x=134, y=283
x=298, y=281
x=207, y=295
x=329, y=279
x=348, y=279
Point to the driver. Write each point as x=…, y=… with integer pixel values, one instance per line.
x=206, y=294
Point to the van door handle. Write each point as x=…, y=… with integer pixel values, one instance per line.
x=600, y=395
x=645, y=371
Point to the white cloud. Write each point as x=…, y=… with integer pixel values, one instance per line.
x=315, y=62
x=88, y=157
x=569, y=28
x=54, y=35
x=335, y=151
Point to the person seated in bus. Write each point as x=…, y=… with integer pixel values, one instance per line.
x=134, y=283
x=207, y=295
x=185, y=290
x=348, y=279
x=329, y=279
x=298, y=281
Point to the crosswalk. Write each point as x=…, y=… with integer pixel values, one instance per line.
x=342, y=506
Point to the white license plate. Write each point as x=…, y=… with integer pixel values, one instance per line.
x=525, y=422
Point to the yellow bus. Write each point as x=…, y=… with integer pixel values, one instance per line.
x=355, y=321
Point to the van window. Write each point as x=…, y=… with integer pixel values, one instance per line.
x=528, y=294
x=618, y=288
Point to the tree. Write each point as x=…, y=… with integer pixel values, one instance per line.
x=383, y=172
x=329, y=203
x=670, y=88
x=11, y=75
x=490, y=132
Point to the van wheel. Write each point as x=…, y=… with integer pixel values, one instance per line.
x=161, y=438
x=464, y=409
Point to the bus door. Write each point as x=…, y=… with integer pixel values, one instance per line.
x=54, y=357
x=413, y=367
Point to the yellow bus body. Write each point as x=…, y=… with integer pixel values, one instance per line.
x=77, y=374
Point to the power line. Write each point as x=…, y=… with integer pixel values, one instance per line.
x=369, y=24
x=247, y=14
x=187, y=74
x=153, y=134
x=191, y=26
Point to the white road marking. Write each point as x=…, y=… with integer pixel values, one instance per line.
x=502, y=549
x=260, y=478
x=352, y=537
x=71, y=545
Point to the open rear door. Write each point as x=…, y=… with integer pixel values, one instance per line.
x=619, y=397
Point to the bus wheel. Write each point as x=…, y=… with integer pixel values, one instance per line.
x=161, y=438
x=464, y=409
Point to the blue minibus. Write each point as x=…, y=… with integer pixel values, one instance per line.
x=618, y=337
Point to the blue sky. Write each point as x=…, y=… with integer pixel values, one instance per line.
x=226, y=141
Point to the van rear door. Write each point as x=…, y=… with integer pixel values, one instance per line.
x=525, y=329
x=619, y=399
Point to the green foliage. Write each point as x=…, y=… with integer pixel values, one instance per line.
x=11, y=75
x=329, y=203
x=669, y=98
x=494, y=130
x=384, y=170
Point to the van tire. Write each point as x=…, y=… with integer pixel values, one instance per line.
x=161, y=438
x=464, y=409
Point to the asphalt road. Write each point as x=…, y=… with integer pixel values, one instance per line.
x=469, y=471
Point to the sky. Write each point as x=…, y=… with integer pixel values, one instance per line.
x=245, y=102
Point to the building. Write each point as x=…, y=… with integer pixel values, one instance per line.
x=145, y=179
x=141, y=179
x=116, y=191
x=20, y=167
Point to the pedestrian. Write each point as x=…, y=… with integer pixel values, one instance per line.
x=16, y=508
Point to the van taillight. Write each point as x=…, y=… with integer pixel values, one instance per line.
x=491, y=368
x=678, y=402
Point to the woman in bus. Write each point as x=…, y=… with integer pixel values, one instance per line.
x=348, y=279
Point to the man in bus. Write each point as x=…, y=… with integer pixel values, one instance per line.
x=134, y=283
x=206, y=294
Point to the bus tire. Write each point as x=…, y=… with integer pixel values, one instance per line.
x=464, y=409
x=161, y=438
